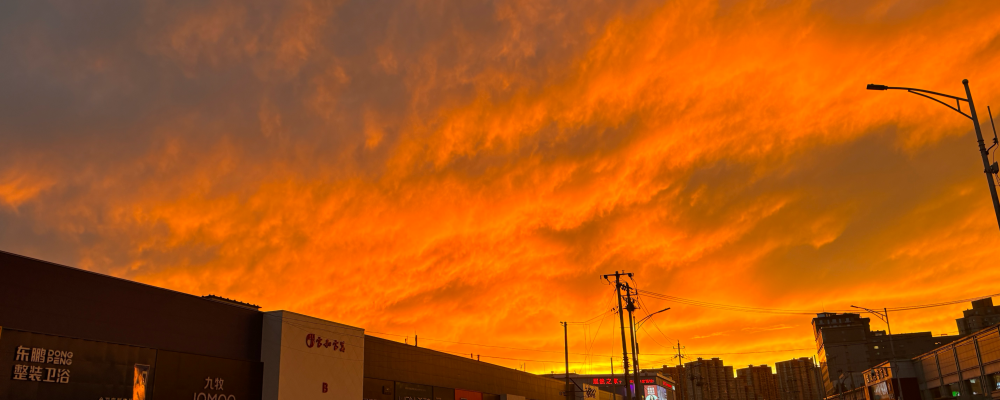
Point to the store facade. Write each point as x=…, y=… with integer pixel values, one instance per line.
x=652, y=384
x=67, y=333
x=308, y=358
x=71, y=334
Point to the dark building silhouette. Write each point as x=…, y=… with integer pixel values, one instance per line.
x=982, y=315
x=709, y=380
x=757, y=383
x=680, y=377
x=846, y=346
x=799, y=379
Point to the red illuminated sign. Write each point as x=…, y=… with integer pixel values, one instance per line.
x=616, y=381
x=318, y=342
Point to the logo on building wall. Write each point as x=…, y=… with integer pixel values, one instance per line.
x=38, y=373
x=319, y=342
x=214, y=384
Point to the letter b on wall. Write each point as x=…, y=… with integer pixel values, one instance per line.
x=325, y=388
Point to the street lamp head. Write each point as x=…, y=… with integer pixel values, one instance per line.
x=872, y=86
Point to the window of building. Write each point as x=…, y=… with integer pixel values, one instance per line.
x=993, y=381
x=973, y=386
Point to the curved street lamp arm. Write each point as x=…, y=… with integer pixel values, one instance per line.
x=958, y=110
x=877, y=314
x=639, y=323
x=927, y=91
x=924, y=93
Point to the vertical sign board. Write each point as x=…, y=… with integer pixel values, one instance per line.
x=39, y=366
x=650, y=393
x=197, y=377
x=308, y=358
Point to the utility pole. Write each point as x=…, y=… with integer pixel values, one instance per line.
x=679, y=356
x=566, y=347
x=614, y=386
x=635, y=354
x=621, y=318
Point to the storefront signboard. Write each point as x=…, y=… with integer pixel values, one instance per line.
x=46, y=366
x=197, y=377
x=411, y=391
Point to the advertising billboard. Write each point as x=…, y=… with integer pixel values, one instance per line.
x=40, y=366
x=650, y=392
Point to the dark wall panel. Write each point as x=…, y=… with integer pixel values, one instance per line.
x=412, y=391
x=441, y=393
x=188, y=376
x=398, y=362
x=378, y=389
x=40, y=296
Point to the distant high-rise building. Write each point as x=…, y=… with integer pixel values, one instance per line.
x=680, y=378
x=799, y=379
x=757, y=383
x=982, y=315
x=842, y=349
x=846, y=346
x=709, y=380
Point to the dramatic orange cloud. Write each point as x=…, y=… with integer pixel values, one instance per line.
x=465, y=171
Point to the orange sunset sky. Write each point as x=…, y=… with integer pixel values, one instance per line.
x=466, y=170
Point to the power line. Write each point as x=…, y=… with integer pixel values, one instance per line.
x=764, y=310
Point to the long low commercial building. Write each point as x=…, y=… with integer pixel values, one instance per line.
x=965, y=369
x=67, y=333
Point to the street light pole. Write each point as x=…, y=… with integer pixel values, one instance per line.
x=988, y=169
x=884, y=315
x=638, y=325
